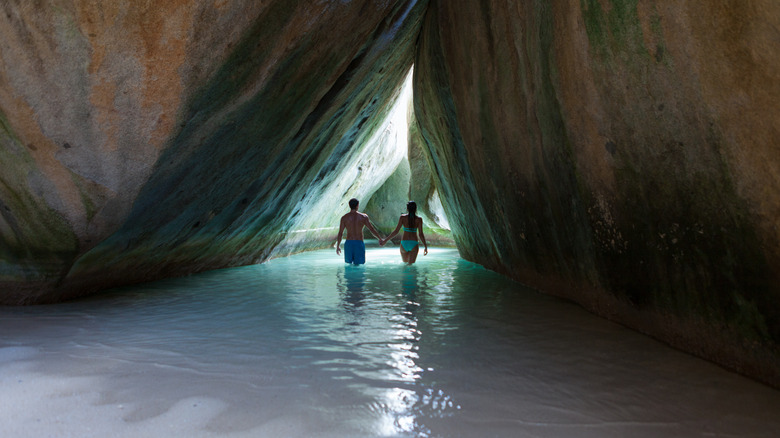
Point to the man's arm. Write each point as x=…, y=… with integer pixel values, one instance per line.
x=397, y=229
x=371, y=228
x=342, y=225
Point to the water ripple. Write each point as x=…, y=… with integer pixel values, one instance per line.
x=443, y=348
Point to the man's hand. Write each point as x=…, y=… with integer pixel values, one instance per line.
x=338, y=250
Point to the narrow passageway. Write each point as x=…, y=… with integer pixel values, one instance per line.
x=306, y=346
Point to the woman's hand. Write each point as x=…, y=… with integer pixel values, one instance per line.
x=426, y=251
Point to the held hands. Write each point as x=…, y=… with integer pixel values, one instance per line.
x=382, y=242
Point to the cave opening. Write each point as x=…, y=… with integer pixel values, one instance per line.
x=412, y=178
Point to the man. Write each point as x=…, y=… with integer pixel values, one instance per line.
x=354, y=221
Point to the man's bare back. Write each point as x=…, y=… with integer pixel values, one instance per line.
x=353, y=222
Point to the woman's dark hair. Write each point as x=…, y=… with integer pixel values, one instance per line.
x=411, y=207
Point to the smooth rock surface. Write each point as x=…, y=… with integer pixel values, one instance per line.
x=145, y=140
x=619, y=153
x=412, y=180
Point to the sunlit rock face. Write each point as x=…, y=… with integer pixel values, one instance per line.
x=620, y=153
x=411, y=180
x=389, y=201
x=147, y=139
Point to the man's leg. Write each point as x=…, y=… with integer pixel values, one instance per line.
x=349, y=251
x=360, y=252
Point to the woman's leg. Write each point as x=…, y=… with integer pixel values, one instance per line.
x=412, y=255
x=404, y=255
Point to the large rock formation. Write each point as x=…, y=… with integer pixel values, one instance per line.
x=619, y=153
x=413, y=179
x=142, y=140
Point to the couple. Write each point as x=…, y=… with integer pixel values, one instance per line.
x=354, y=221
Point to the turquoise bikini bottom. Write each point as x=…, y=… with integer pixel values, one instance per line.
x=409, y=245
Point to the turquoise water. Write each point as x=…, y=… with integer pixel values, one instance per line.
x=306, y=346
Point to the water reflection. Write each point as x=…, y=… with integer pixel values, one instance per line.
x=401, y=401
x=386, y=315
x=307, y=346
x=351, y=282
x=409, y=280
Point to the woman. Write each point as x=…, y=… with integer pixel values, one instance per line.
x=412, y=225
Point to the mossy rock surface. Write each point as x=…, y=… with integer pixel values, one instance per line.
x=619, y=153
x=156, y=140
x=594, y=150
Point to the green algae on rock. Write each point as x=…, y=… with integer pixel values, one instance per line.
x=587, y=149
x=620, y=153
x=180, y=156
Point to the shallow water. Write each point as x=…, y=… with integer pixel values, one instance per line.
x=306, y=346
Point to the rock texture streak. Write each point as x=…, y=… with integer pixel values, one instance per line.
x=140, y=140
x=619, y=153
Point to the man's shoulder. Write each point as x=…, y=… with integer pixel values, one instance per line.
x=355, y=215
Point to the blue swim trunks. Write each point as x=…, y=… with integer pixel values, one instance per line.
x=354, y=252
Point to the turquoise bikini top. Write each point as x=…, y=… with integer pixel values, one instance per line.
x=410, y=230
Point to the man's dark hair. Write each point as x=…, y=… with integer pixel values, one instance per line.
x=353, y=203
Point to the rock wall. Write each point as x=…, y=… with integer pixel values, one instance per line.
x=147, y=139
x=388, y=202
x=621, y=153
x=413, y=179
